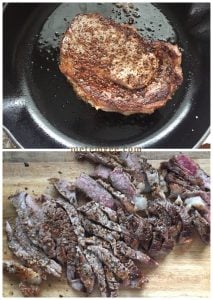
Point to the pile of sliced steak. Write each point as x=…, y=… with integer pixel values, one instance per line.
x=113, y=68
x=105, y=227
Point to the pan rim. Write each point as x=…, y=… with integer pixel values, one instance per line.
x=196, y=146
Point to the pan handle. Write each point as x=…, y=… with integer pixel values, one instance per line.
x=21, y=127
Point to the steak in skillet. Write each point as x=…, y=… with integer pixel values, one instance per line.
x=113, y=68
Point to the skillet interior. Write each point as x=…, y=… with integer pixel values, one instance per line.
x=42, y=111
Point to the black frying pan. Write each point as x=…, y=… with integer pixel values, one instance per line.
x=42, y=111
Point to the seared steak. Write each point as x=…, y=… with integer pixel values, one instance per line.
x=113, y=68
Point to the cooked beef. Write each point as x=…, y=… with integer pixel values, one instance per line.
x=187, y=180
x=93, y=242
x=121, y=181
x=74, y=219
x=93, y=190
x=167, y=245
x=112, y=284
x=126, y=161
x=99, y=231
x=102, y=172
x=170, y=209
x=156, y=209
x=191, y=168
x=136, y=277
x=202, y=226
x=103, y=158
x=55, y=235
x=111, y=214
x=187, y=173
x=113, y=68
x=185, y=235
x=111, y=261
x=125, y=201
x=156, y=244
x=65, y=188
x=146, y=178
x=54, y=231
x=137, y=230
x=92, y=210
x=205, y=196
x=22, y=273
x=122, y=248
x=29, y=212
x=49, y=229
x=33, y=257
x=131, y=160
x=98, y=270
x=29, y=290
x=85, y=271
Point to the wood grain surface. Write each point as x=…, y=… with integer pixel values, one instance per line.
x=184, y=272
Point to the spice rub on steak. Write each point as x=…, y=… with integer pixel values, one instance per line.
x=113, y=68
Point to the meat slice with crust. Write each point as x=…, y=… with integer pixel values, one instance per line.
x=21, y=272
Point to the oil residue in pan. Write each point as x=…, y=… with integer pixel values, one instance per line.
x=148, y=20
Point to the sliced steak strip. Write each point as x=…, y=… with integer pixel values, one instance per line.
x=54, y=231
x=121, y=181
x=22, y=273
x=136, y=277
x=94, y=240
x=21, y=247
x=191, y=168
x=93, y=212
x=112, y=284
x=85, y=271
x=185, y=235
x=102, y=172
x=202, y=226
x=98, y=270
x=127, y=203
x=123, y=249
x=102, y=158
x=186, y=172
x=65, y=188
x=73, y=278
x=137, y=231
x=94, y=190
x=204, y=195
x=74, y=218
x=99, y=231
x=111, y=214
x=29, y=212
x=111, y=261
x=130, y=160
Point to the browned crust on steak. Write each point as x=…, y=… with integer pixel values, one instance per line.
x=92, y=66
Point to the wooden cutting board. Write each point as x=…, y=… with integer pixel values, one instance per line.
x=184, y=272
